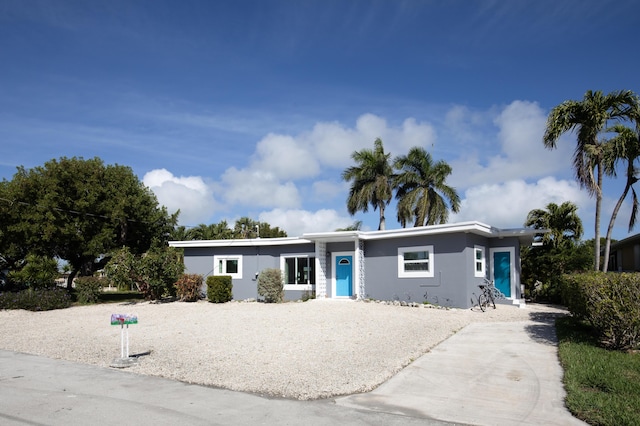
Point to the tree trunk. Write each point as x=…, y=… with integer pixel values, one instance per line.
x=381, y=226
x=607, y=244
x=72, y=275
x=597, y=224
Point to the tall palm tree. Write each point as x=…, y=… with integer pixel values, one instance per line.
x=624, y=146
x=422, y=193
x=589, y=118
x=561, y=221
x=371, y=178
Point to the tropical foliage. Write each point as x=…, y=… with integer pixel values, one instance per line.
x=589, y=118
x=423, y=196
x=371, y=181
x=625, y=146
x=244, y=227
x=559, y=250
x=153, y=274
x=79, y=211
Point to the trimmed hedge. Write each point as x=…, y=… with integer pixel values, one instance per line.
x=88, y=289
x=44, y=299
x=219, y=288
x=188, y=287
x=271, y=285
x=609, y=302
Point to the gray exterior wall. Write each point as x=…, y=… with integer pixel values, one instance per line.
x=452, y=270
x=454, y=282
x=254, y=260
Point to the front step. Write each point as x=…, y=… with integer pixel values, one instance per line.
x=520, y=303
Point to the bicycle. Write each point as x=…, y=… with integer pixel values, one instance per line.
x=486, y=298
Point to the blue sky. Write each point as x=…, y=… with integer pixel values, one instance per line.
x=252, y=108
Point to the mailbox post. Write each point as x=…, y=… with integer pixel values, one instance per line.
x=123, y=320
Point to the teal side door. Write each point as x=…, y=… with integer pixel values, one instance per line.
x=502, y=271
x=344, y=276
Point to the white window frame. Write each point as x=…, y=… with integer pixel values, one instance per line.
x=415, y=274
x=302, y=287
x=483, y=261
x=223, y=257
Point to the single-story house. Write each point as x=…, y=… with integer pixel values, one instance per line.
x=439, y=264
x=624, y=255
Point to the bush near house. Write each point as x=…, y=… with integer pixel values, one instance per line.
x=188, y=287
x=609, y=302
x=219, y=288
x=44, y=299
x=88, y=289
x=271, y=285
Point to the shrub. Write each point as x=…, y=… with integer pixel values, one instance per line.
x=37, y=272
x=609, y=302
x=271, y=285
x=153, y=273
x=36, y=299
x=307, y=295
x=219, y=288
x=188, y=287
x=88, y=289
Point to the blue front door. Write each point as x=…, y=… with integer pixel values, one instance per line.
x=502, y=271
x=344, y=276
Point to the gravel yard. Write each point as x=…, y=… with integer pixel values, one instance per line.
x=310, y=350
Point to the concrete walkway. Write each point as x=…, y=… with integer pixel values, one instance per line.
x=486, y=374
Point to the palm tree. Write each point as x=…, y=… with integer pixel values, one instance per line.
x=561, y=221
x=589, y=118
x=625, y=146
x=422, y=193
x=372, y=179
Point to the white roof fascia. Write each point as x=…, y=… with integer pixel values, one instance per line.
x=472, y=227
x=240, y=243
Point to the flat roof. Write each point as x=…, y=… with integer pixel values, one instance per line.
x=477, y=228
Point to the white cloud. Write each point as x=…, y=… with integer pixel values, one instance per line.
x=258, y=188
x=298, y=222
x=506, y=205
x=520, y=151
x=285, y=157
x=325, y=190
x=191, y=195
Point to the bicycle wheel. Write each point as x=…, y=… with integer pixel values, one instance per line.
x=483, y=302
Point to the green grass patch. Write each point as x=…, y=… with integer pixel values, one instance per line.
x=603, y=386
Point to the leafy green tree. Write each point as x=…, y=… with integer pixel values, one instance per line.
x=13, y=250
x=422, y=194
x=81, y=210
x=623, y=147
x=562, y=222
x=589, y=118
x=560, y=251
x=371, y=181
x=179, y=233
x=152, y=273
x=246, y=227
x=355, y=226
x=35, y=272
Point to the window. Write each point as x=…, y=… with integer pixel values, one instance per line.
x=415, y=262
x=478, y=261
x=299, y=271
x=228, y=265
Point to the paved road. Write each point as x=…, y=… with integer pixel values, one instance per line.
x=486, y=374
